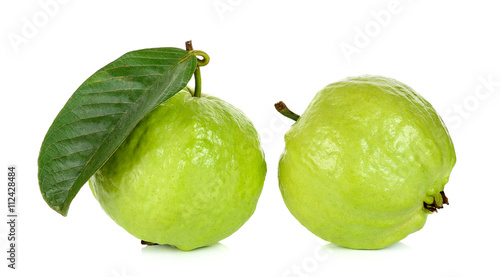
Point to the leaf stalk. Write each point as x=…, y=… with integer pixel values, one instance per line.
x=200, y=62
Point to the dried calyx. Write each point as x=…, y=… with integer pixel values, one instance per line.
x=437, y=203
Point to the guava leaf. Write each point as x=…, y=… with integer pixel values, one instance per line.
x=100, y=115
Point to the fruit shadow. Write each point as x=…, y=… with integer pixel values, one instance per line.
x=397, y=249
x=167, y=251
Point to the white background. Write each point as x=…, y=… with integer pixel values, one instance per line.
x=261, y=52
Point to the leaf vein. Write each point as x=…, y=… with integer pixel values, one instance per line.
x=118, y=90
x=121, y=77
x=79, y=136
x=133, y=66
x=79, y=119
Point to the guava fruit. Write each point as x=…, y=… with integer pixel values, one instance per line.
x=188, y=175
x=366, y=163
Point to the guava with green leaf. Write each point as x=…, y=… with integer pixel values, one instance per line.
x=167, y=163
x=366, y=163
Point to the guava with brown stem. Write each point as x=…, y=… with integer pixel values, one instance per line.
x=366, y=163
x=188, y=175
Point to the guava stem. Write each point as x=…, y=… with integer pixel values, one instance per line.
x=200, y=62
x=197, y=82
x=283, y=109
x=205, y=57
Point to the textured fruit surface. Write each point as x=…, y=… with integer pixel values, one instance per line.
x=366, y=163
x=188, y=175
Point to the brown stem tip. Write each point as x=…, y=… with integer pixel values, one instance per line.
x=283, y=109
x=189, y=45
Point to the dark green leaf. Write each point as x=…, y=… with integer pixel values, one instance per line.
x=100, y=115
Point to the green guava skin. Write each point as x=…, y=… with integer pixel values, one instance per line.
x=189, y=174
x=361, y=161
